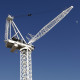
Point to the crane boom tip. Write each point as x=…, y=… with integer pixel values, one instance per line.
x=72, y=6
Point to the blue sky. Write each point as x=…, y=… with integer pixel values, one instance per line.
x=57, y=54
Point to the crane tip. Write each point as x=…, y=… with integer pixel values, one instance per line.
x=72, y=6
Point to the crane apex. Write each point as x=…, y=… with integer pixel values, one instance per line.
x=10, y=18
x=72, y=6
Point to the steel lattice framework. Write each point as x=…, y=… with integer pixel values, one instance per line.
x=16, y=41
x=25, y=65
x=50, y=25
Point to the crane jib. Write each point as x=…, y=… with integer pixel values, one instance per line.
x=50, y=25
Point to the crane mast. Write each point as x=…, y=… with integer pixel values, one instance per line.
x=16, y=41
x=25, y=65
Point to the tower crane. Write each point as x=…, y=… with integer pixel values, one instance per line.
x=16, y=41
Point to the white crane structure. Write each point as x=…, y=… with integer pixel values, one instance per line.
x=15, y=41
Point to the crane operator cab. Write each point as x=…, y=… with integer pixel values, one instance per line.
x=15, y=39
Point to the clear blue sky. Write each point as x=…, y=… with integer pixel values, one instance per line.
x=57, y=54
